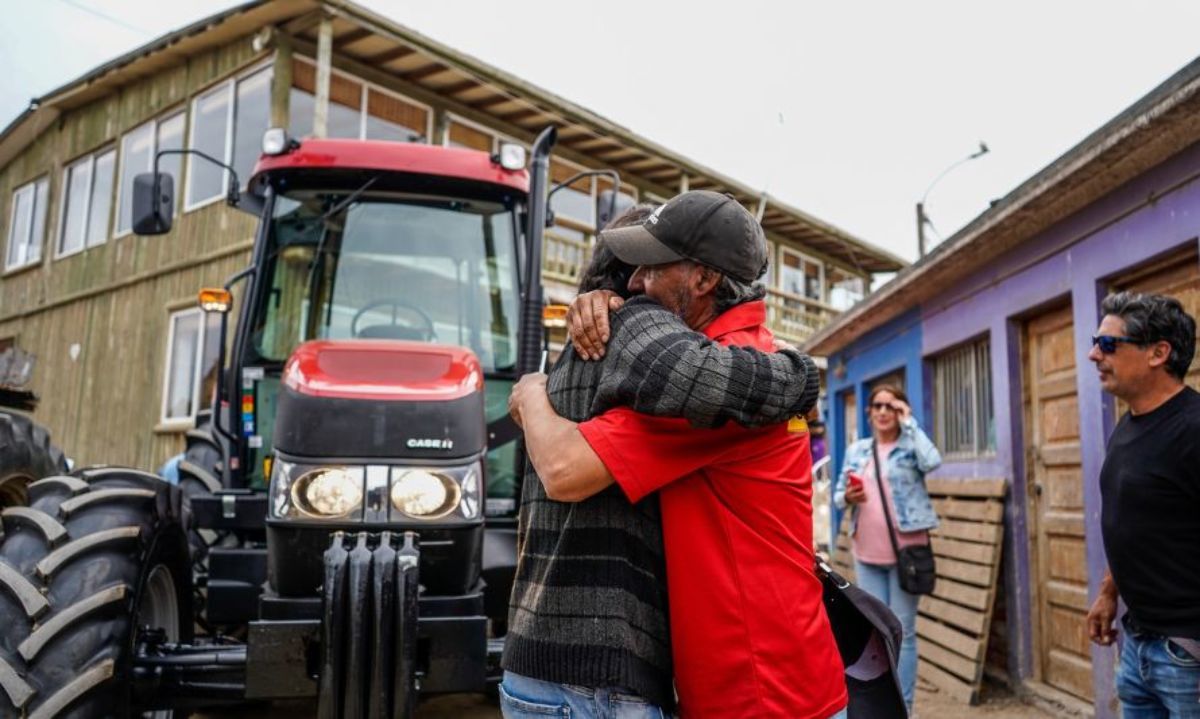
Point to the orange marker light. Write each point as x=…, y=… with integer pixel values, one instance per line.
x=215, y=299
x=554, y=316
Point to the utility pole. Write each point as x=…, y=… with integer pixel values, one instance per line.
x=920, y=229
x=922, y=218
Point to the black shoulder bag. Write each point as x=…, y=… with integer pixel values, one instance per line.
x=918, y=573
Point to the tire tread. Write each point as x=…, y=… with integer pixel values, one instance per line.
x=23, y=590
x=46, y=632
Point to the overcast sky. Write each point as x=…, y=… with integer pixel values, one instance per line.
x=847, y=110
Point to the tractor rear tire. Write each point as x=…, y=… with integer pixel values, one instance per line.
x=90, y=563
x=200, y=476
x=26, y=455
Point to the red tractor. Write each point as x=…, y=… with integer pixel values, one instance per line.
x=344, y=524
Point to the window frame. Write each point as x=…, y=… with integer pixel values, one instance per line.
x=197, y=359
x=32, y=187
x=976, y=353
x=452, y=118
x=230, y=85
x=155, y=124
x=832, y=284
x=367, y=86
x=785, y=250
x=64, y=195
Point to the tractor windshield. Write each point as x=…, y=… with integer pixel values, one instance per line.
x=424, y=269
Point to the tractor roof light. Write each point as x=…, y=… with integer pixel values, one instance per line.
x=275, y=141
x=215, y=299
x=511, y=156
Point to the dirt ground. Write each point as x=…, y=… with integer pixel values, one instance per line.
x=930, y=705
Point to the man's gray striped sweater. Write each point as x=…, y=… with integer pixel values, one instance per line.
x=589, y=604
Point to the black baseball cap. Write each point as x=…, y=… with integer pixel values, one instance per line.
x=706, y=227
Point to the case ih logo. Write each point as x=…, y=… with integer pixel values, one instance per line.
x=430, y=443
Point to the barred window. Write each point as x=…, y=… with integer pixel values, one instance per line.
x=964, y=421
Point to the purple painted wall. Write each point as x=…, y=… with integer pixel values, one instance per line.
x=1153, y=215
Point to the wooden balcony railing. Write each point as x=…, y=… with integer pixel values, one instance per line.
x=795, y=318
x=791, y=317
x=564, y=257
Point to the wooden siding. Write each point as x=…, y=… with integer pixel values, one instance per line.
x=113, y=300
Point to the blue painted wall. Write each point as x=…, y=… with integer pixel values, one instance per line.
x=886, y=349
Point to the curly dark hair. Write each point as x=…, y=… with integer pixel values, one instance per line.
x=1151, y=318
x=605, y=271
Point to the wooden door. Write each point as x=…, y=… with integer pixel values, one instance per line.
x=1177, y=276
x=1055, y=491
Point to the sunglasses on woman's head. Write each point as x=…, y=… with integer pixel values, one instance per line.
x=877, y=406
x=1108, y=343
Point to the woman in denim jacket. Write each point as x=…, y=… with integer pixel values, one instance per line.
x=907, y=455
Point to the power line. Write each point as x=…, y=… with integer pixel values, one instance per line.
x=105, y=16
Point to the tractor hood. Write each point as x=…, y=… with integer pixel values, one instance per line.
x=364, y=399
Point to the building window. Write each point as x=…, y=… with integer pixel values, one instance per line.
x=138, y=148
x=469, y=137
x=845, y=290
x=357, y=110
x=228, y=123
x=964, y=421
x=800, y=275
x=27, y=223
x=87, y=196
x=191, y=373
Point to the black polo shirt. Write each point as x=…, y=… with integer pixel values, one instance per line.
x=1150, y=518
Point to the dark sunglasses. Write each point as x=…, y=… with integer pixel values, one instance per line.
x=1108, y=343
x=882, y=405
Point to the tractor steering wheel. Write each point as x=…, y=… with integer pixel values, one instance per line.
x=394, y=330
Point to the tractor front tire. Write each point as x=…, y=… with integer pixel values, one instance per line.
x=26, y=455
x=90, y=563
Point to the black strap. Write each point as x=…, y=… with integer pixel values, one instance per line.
x=883, y=498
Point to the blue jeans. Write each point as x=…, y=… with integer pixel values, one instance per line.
x=525, y=698
x=1157, y=679
x=883, y=583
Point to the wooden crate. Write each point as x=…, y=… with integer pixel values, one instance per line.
x=953, y=624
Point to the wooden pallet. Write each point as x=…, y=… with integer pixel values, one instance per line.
x=953, y=624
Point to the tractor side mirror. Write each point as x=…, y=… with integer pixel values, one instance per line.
x=153, y=203
x=610, y=205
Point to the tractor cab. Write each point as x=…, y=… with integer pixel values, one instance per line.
x=352, y=491
x=423, y=247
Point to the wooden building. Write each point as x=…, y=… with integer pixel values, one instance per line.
x=111, y=316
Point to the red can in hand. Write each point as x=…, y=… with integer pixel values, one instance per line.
x=855, y=480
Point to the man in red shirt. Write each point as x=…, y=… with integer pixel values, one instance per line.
x=750, y=637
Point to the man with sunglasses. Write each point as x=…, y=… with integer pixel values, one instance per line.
x=1150, y=514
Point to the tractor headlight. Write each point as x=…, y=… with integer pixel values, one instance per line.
x=316, y=492
x=436, y=492
x=328, y=492
x=363, y=493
